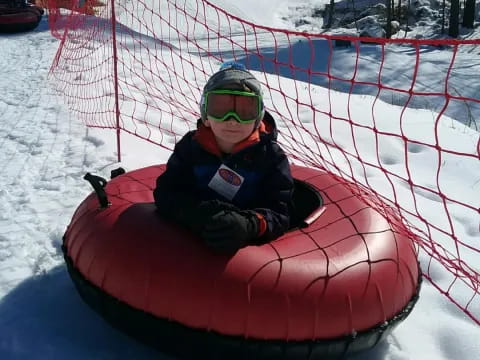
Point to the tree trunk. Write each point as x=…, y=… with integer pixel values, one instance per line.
x=407, y=16
x=469, y=14
x=443, y=17
x=355, y=14
x=330, y=14
x=388, y=27
x=454, y=12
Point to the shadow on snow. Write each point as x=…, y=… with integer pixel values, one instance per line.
x=45, y=318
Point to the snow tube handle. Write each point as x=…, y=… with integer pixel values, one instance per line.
x=98, y=183
x=117, y=172
x=312, y=217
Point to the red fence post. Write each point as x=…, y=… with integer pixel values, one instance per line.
x=115, y=79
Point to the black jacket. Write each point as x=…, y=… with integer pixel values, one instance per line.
x=267, y=182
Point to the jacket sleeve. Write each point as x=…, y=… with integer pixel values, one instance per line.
x=277, y=196
x=174, y=196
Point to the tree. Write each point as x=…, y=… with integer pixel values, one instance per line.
x=388, y=28
x=330, y=14
x=454, y=12
x=443, y=17
x=469, y=14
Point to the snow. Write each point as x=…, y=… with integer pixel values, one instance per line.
x=45, y=151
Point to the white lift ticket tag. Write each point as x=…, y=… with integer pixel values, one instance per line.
x=226, y=182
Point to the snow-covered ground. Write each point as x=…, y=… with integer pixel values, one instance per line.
x=44, y=153
x=309, y=15
x=354, y=17
x=397, y=63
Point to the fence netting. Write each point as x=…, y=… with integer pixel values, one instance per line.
x=385, y=114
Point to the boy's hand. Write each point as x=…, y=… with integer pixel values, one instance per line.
x=228, y=231
x=211, y=207
x=204, y=211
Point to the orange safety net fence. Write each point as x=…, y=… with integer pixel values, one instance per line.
x=366, y=110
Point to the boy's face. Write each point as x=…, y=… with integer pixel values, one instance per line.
x=229, y=132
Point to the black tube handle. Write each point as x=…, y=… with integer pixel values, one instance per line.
x=117, y=172
x=98, y=183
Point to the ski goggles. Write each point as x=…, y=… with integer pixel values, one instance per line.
x=245, y=107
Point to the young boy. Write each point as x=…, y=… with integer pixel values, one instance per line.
x=229, y=181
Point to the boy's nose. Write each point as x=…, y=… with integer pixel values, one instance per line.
x=230, y=119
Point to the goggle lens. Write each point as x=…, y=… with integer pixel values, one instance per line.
x=220, y=106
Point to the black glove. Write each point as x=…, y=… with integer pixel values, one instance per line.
x=228, y=231
x=211, y=207
x=196, y=216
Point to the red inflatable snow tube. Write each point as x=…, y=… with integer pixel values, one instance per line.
x=17, y=19
x=334, y=285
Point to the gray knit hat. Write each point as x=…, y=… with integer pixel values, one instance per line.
x=232, y=76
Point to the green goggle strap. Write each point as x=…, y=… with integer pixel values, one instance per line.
x=231, y=114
